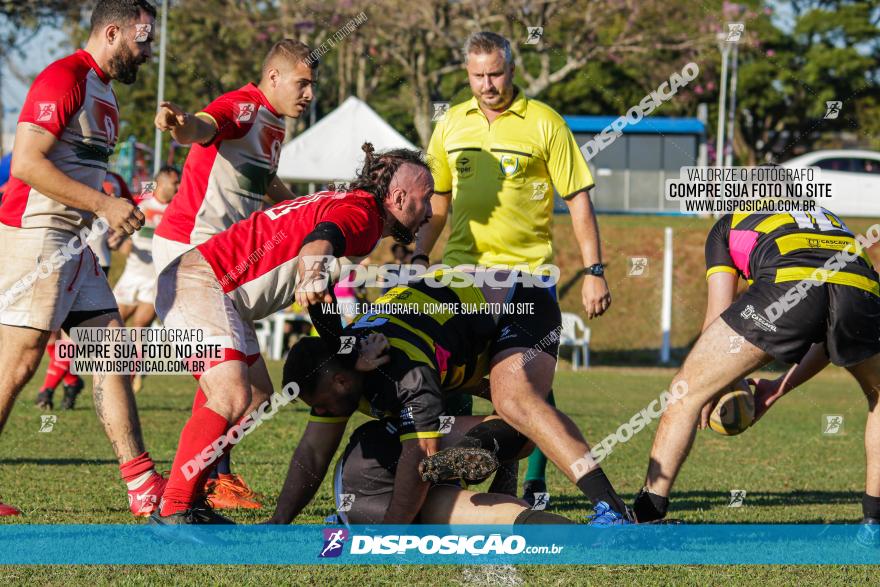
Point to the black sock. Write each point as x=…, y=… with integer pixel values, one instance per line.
x=497, y=436
x=540, y=517
x=649, y=506
x=871, y=506
x=597, y=487
x=224, y=464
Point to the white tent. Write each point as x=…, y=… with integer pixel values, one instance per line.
x=331, y=149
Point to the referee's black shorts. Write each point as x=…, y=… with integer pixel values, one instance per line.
x=538, y=326
x=845, y=318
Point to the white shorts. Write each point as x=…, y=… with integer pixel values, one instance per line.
x=136, y=285
x=189, y=296
x=165, y=251
x=47, y=274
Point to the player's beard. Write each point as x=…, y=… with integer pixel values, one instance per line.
x=124, y=65
x=401, y=233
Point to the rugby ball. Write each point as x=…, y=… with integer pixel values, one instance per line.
x=734, y=412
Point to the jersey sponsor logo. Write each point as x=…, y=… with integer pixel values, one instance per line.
x=245, y=111
x=45, y=111
x=271, y=138
x=506, y=333
x=406, y=416
x=106, y=119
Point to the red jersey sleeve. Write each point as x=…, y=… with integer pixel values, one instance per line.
x=233, y=116
x=360, y=225
x=54, y=97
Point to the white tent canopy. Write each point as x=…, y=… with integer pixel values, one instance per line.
x=331, y=149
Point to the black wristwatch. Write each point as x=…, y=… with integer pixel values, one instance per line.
x=598, y=270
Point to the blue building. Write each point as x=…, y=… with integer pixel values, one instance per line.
x=631, y=170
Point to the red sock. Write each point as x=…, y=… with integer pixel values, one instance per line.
x=136, y=467
x=71, y=379
x=57, y=369
x=201, y=430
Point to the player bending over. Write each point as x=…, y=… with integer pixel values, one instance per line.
x=229, y=173
x=435, y=353
x=785, y=258
x=258, y=267
x=66, y=133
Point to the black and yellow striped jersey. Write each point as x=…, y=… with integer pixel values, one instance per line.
x=789, y=247
x=435, y=349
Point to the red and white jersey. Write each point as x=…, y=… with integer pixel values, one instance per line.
x=255, y=261
x=142, y=240
x=225, y=180
x=114, y=185
x=72, y=99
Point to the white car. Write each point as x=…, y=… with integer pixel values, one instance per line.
x=855, y=179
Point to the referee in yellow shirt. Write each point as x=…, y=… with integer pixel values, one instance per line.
x=496, y=160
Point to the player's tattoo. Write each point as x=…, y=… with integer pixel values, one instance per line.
x=37, y=129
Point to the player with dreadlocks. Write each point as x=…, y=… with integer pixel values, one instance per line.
x=258, y=267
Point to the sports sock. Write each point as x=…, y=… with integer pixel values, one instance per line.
x=137, y=470
x=497, y=436
x=537, y=470
x=199, y=400
x=597, y=487
x=224, y=464
x=649, y=506
x=57, y=369
x=871, y=506
x=540, y=517
x=71, y=379
x=201, y=430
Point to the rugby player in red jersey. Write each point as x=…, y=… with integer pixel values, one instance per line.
x=236, y=142
x=66, y=132
x=259, y=266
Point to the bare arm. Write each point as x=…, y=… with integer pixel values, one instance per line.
x=32, y=166
x=429, y=233
x=185, y=128
x=594, y=291
x=409, y=490
x=307, y=470
x=722, y=290
x=768, y=392
x=278, y=191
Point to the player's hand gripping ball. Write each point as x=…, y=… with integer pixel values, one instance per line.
x=734, y=412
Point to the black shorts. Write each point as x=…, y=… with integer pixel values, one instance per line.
x=845, y=318
x=364, y=476
x=538, y=326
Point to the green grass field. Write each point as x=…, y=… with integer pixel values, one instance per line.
x=791, y=471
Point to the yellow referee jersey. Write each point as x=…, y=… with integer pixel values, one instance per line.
x=502, y=178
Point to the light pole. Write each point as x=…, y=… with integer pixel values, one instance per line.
x=724, y=47
x=160, y=94
x=731, y=113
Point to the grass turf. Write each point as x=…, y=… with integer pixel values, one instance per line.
x=791, y=472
